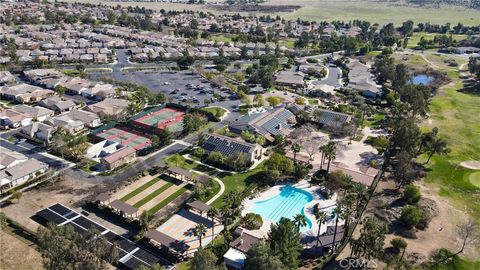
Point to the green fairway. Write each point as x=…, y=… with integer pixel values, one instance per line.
x=415, y=38
x=140, y=189
x=475, y=179
x=167, y=200
x=456, y=115
x=153, y=195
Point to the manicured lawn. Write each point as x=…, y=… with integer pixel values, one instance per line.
x=374, y=121
x=217, y=111
x=153, y=195
x=140, y=189
x=220, y=38
x=167, y=200
x=216, y=189
x=182, y=162
x=456, y=115
x=415, y=38
x=236, y=182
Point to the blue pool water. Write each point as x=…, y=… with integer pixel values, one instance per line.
x=290, y=202
x=422, y=79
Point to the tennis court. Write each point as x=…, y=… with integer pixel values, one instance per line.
x=126, y=137
x=166, y=117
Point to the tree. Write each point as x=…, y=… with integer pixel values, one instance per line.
x=192, y=122
x=155, y=266
x=321, y=217
x=330, y=154
x=280, y=163
x=260, y=257
x=411, y=216
x=284, y=239
x=186, y=60
x=370, y=242
x=403, y=170
x=274, y=101
x=16, y=196
x=437, y=146
x=63, y=248
x=399, y=244
x=145, y=220
x=411, y=195
x=260, y=100
x=199, y=231
x=252, y=221
x=212, y=213
x=204, y=259
x=336, y=214
x=300, y=221
x=295, y=149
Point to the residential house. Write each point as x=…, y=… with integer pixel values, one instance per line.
x=65, y=122
x=99, y=91
x=243, y=241
x=230, y=146
x=25, y=93
x=37, y=113
x=57, y=104
x=109, y=107
x=6, y=77
x=10, y=158
x=12, y=119
x=38, y=132
x=21, y=173
x=290, y=79
x=89, y=119
x=278, y=121
x=331, y=119
x=121, y=156
x=48, y=78
x=362, y=80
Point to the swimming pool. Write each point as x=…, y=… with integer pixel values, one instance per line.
x=290, y=202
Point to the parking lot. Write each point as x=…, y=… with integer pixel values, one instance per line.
x=178, y=86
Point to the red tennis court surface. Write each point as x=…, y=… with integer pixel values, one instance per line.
x=126, y=136
x=166, y=117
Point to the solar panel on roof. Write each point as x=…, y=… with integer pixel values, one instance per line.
x=51, y=216
x=88, y=224
x=146, y=256
x=60, y=209
x=134, y=263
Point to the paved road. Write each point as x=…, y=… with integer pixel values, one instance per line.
x=332, y=78
x=130, y=171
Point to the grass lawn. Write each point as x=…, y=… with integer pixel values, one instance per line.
x=458, y=264
x=152, y=195
x=236, y=182
x=167, y=200
x=312, y=101
x=11, y=139
x=455, y=114
x=220, y=38
x=374, y=121
x=415, y=38
x=217, y=111
x=71, y=72
x=288, y=43
x=90, y=165
x=140, y=189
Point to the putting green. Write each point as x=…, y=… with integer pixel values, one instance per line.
x=475, y=179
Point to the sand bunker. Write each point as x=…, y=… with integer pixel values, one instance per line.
x=471, y=164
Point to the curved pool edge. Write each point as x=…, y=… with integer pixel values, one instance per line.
x=307, y=209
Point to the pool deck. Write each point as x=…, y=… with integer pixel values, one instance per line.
x=325, y=205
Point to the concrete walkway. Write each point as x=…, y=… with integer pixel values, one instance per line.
x=222, y=186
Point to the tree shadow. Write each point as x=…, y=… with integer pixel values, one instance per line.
x=471, y=87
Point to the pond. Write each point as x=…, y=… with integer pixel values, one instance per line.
x=421, y=79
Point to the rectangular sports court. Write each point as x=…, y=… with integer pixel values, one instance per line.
x=125, y=136
x=166, y=117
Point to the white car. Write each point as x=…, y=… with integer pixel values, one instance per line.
x=166, y=83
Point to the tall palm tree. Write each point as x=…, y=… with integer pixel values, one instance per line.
x=321, y=218
x=337, y=213
x=322, y=151
x=295, y=149
x=361, y=194
x=212, y=213
x=330, y=154
x=437, y=146
x=199, y=231
x=300, y=221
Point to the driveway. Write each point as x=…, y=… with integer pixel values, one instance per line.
x=332, y=79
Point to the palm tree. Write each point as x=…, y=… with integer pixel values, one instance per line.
x=437, y=146
x=199, y=231
x=330, y=154
x=361, y=193
x=212, y=213
x=300, y=221
x=337, y=213
x=322, y=159
x=295, y=149
x=321, y=218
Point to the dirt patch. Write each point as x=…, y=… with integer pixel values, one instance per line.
x=471, y=164
x=442, y=229
x=68, y=192
x=17, y=254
